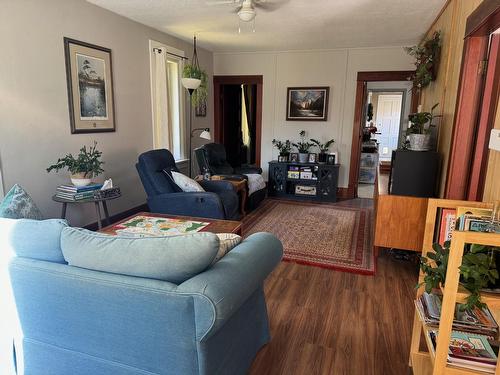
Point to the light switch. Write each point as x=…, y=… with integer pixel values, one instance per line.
x=495, y=140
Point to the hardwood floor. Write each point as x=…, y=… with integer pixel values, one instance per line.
x=331, y=322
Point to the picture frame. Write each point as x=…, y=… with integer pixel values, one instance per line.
x=294, y=157
x=89, y=79
x=307, y=103
x=282, y=158
x=201, y=108
x=312, y=158
x=331, y=159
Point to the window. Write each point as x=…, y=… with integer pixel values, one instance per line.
x=167, y=99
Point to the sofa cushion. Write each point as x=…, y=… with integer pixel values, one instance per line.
x=18, y=204
x=227, y=241
x=174, y=259
x=36, y=239
x=185, y=183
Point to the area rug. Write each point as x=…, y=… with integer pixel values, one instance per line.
x=322, y=235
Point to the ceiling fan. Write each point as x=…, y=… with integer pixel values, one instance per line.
x=245, y=9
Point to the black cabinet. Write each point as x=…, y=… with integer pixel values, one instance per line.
x=303, y=181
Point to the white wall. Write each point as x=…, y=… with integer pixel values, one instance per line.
x=34, y=120
x=335, y=68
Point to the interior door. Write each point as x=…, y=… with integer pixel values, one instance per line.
x=388, y=119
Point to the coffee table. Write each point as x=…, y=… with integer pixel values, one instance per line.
x=215, y=226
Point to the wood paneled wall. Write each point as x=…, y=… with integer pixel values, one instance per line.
x=492, y=184
x=444, y=89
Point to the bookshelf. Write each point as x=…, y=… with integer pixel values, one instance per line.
x=428, y=362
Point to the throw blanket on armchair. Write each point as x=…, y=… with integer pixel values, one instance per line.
x=255, y=182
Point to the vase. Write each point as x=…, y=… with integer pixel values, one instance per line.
x=419, y=142
x=322, y=156
x=80, y=179
x=303, y=157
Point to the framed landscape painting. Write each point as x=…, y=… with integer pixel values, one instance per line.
x=307, y=103
x=90, y=87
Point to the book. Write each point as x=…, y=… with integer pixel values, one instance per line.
x=473, y=219
x=75, y=196
x=446, y=225
x=77, y=189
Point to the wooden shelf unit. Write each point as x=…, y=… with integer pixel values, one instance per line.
x=426, y=363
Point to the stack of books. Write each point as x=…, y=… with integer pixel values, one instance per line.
x=469, y=350
x=76, y=193
x=476, y=320
x=473, y=219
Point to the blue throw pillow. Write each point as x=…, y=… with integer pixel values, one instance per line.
x=35, y=239
x=18, y=204
x=174, y=259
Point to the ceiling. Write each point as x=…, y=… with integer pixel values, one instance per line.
x=295, y=25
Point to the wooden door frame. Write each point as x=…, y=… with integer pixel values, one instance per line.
x=362, y=79
x=477, y=95
x=236, y=80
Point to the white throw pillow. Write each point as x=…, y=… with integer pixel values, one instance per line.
x=185, y=183
x=227, y=241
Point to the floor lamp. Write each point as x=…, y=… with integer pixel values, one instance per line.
x=205, y=134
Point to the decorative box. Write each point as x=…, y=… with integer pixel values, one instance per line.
x=306, y=175
x=294, y=174
x=305, y=190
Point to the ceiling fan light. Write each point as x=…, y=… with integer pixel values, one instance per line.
x=246, y=14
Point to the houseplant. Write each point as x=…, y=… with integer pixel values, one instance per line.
x=83, y=168
x=419, y=131
x=427, y=55
x=303, y=147
x=284, y=148
x=479, y=270
x=195, y=72
x=323, y=148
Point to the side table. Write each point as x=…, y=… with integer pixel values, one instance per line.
x=96, y=202
x=240, y=186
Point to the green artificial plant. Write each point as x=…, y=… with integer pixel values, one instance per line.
x=284, y=147
x=87, y=162
x=427, y=55
x=201, y=93
x=303, y=146
x=418, y=121
x=323, y=147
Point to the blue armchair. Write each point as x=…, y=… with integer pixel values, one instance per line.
x=219, y=201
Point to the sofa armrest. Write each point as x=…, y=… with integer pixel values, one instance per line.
x=234, y=177
x=216, y=185
x=232, y=280
x=202, y=204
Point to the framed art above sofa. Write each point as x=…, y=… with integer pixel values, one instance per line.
x=307, y=103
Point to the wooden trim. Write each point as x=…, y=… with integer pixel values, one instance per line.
x=484, y=20
x=464, y=124
x=362, y=79
x=486, y=121
x=431, y=27
x=235, y=80
x=120, y=216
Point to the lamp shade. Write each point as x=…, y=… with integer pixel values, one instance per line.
x=191, y=83
x=205, y=134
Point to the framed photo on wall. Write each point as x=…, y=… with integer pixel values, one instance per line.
x=89, y=78
x=307, y=103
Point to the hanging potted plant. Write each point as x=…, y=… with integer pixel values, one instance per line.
x=83, y=168
x=284, y=149
x=418, y=133
x=427, y=56
x=323, y=148
x=303, y=147
x=195, y=79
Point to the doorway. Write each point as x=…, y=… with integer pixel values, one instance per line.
x=383, y=102
x=238, y=117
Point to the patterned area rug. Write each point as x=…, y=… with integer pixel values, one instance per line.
x=323, y=235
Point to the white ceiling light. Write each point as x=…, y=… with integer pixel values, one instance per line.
x=246, y=12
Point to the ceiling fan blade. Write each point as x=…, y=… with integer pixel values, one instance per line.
x=223, y=2
x=269, y=6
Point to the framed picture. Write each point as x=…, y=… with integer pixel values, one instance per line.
x=201, y=109
x=312, y=158
x=282, y=158
x=330, y=159
x=294, y=157
x=89, y=78
x=307, y=103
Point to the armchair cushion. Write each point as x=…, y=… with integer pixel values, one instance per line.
x=230, y=201
x=174, y=259
x=187, y=184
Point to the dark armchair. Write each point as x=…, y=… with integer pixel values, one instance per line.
x=212, y=156
x=219, y=201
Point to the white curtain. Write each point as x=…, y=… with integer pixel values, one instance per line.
x=163, y=133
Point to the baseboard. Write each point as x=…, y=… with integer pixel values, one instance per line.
x=344, y=193
x=119, y=216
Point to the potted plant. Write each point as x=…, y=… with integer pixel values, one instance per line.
x=83, y=168
x=479, y=270
x=323, y=148
x=303, y=147
x=194, y=72
x=284, y=149
x=427, y=55
x=419, y=131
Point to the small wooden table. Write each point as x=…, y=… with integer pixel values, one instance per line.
x=215, y=226
x=240, y=186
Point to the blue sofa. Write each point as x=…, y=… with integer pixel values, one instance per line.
x=83, y=322
x=218, y=201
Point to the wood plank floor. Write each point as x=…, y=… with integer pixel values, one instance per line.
x=330, y=322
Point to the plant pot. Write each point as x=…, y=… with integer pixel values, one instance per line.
x=303, y=158
x=322, y=156
x=419, y=142
x=79, y=179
